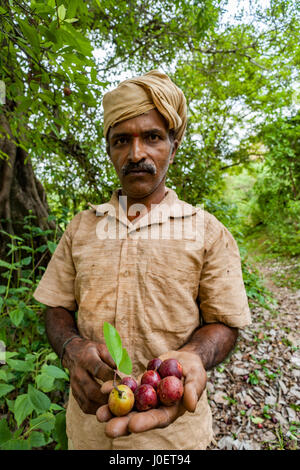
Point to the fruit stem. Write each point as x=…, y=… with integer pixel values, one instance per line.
x=115, y=386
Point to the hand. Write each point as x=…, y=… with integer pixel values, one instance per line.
x=194, y=384
x=87, y=360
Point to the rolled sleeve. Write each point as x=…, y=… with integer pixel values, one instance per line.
x=222, y=295
x=56, y=288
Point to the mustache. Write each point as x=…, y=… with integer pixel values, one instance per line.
x=148, y=167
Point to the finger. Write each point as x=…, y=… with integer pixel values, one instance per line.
x=96, y=366
x=87, y=390
x=155, y=418
x=78, y=394
x=107, y=387
x=104, y=414
x=91, y=388
x=193, y=388
x=105, y=355
x=118, y=426
x=87, y=405
x=190, y=397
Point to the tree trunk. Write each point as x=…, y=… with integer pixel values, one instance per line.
x=21, y=193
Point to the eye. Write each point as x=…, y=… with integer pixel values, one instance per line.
x=153, y=137
x=120, y=141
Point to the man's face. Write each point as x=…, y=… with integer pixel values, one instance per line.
x=141, y=151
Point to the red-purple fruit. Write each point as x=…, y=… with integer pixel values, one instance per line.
x=151, y=377
x=130, y=382
x=170, y=390
x=145, y=397
x=154, y=364
x=67, y=91
x=170, y=367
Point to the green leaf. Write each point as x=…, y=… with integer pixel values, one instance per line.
x=30, y=34
x=80, y=43
x=60, y=428
x=56, y=407
x=36, y=439
x=52, y=356
x=61, y=11
x=45, y=422
x=38, y=399
x=44, y=382
x=5, y=389
x=27, y=281
x=20, y=366
x=16, y=444
x=4, y=264
x=52, y=246
x=256, y=420
x=22, y=408
x=10, y=354
x=71, y=20
x=5, y=433
x=16, y=316
x=125, y=363
x=42, y=248
x=55, y=372
x=26, y=261
x=3, y=373
x=113, y=342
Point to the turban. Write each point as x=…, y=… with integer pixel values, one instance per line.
x=138, y=95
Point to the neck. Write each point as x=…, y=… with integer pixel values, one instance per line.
x=147, y=201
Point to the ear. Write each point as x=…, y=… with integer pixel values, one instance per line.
x=174, y=147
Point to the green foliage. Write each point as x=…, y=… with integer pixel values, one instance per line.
x=32, y=382
x=233, y=72
x=276, y=203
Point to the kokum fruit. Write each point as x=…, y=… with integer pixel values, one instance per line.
x=145, y=397
x=67, y=91
x=121, y=400
x=154, y=364
x=151, y=377
x=170, y=390
x=170, y=367
x=130, y=382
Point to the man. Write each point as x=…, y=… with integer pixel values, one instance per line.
x=167, y=275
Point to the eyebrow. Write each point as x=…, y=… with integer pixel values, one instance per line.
x=129, y=134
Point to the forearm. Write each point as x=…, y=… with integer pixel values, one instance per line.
x=212, y=342
x=60, y=326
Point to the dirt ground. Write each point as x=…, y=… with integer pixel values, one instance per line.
x=255, y=395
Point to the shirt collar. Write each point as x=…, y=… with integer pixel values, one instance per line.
x=170, y=207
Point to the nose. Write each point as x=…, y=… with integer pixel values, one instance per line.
x=137, y=150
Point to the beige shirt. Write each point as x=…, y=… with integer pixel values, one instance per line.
x=156, y=280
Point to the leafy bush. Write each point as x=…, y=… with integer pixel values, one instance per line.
x=32, y=383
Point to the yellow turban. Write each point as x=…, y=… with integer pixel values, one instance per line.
x=140, y=94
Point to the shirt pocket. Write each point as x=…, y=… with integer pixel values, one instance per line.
x=171, y=290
